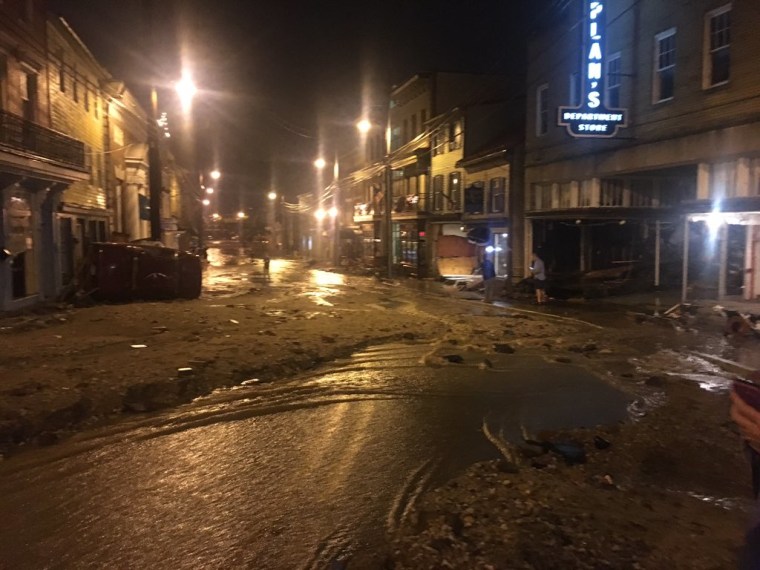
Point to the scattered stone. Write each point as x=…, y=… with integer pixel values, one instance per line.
x=328, y=339
x=655, y=381
x=159, y=330
x=563, y=360
x=453, y=358
x=503, y=348
x=184, y=372
x=234, y=322
x=138, y=345
x=601, y=443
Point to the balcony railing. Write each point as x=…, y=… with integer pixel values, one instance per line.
x=23, y=135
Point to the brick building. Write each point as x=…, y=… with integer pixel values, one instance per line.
x=675, y=194
x=37, y=163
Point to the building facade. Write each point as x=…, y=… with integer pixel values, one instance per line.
x=413, y=110
x=672, y=196
x=78, y=107
x=37, y=163
x=474, y=160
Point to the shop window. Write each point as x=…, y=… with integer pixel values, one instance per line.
x=717, y=65
x=497, y=192
x=474, y=198
x=455, y=135
x=455, y=192
x=20, y=242
x=61, y=71
x=614, y=81
x=542, y=110
x=575, y=89
x=438, y=193
x=664, y=65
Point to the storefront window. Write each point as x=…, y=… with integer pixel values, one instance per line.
x=20, y=242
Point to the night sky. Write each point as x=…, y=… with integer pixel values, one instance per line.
x=281, y=78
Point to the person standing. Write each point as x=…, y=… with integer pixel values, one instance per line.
x=267, y=260
x=538, y=270
x=489, y=279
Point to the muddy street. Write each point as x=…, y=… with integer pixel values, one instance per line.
x=321, y=468
x=330, y=419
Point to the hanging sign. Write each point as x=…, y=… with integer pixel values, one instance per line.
x=592, y=118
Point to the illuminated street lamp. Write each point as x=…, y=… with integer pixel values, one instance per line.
x=320, y=163
x=241, y=215
x=206, y=202
x=363, y=126
x=320, y=214
x=215, y=174
x=186, y=90
x=272, y=195
x=209, y=190
x=333, y=212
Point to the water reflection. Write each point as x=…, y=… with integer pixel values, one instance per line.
x=325, y=278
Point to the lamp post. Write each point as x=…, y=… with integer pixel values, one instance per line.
x=364, y=126
x=272, y=221
x=333, y=212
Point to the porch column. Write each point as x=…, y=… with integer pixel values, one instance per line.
x=723, y=261
x=657, y=232
x=749, y=263
x=685, y=267
x=585, y=259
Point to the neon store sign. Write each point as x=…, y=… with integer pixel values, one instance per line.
x=592, y=118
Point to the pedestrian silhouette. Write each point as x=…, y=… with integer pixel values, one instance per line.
x=266, y=266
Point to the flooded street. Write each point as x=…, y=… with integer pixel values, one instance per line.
x=295, y=475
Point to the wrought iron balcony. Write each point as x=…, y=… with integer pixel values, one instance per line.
x=23, y=135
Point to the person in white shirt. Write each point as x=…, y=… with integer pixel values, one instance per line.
x=538, y=270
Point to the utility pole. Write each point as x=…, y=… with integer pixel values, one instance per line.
x=155, y=178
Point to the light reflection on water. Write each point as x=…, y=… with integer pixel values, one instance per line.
x=325, y=278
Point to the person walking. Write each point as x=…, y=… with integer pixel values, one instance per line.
x=489, y=279
x=266, y=265
x=538, y=270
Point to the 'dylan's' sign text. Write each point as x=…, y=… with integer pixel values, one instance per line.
x=592, y=118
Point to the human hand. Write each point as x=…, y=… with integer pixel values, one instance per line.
x=748, y=420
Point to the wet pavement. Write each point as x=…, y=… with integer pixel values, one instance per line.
x=290, y=475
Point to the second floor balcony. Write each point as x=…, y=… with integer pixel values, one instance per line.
x=18, y=134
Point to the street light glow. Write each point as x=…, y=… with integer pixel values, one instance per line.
x=206, y=202
x=241, y=215
x=320, y=163
x=320, y=214
x=215, y=174
x=209, y=190
x=333, y=212
x=186, y=90
x=272, y=195
x=364, y=126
